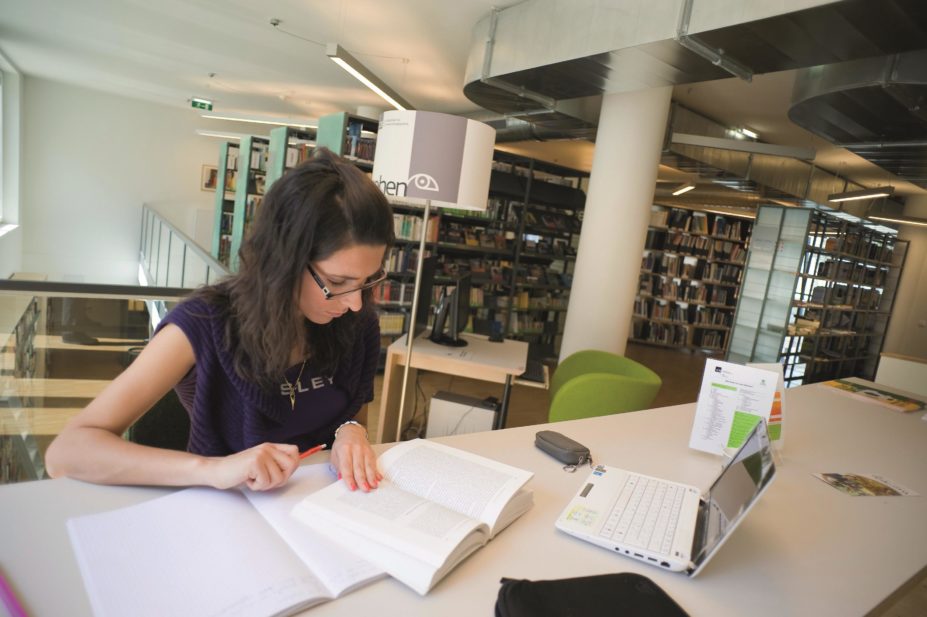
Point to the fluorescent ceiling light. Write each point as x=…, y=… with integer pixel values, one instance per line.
x=306, y=124
x=879, y=191
x=349, y=63
x=742, y=215
x=901, y=220
x=683, y=188
x=220, y=135
x=747, y=132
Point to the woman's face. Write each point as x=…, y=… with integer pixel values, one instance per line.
x=345, y=270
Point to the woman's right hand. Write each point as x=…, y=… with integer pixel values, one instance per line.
x=261, y=468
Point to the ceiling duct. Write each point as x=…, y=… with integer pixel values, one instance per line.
x=523, y=67
x=875, y=107
x=768, y=177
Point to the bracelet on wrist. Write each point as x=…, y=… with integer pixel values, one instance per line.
x=355, y=423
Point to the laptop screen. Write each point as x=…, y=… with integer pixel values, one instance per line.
x=735, y=490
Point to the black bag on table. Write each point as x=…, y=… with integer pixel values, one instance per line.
x=616, y=595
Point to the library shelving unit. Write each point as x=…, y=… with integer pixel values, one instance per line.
x=520, y=257
x=818, y=292
x=226, y=178
x=690, y=279
x=246, y=166
x=351, y=136
x=549, y=221
x=289, y=147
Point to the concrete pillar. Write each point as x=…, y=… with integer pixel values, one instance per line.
x=621, y=185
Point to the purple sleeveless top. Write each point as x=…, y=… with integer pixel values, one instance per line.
x=229, y=414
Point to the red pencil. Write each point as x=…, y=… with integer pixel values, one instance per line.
x=312, y=451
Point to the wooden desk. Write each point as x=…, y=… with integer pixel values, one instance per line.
x=480, y=359
x=804, y=549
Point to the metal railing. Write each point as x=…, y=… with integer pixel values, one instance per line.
x=169, y=258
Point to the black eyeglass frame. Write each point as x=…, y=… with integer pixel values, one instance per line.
x=381, y=276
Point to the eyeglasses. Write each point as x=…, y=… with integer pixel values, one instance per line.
x=372, y=281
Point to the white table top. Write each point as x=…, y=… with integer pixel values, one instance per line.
x=506, y=357
x=804, y=549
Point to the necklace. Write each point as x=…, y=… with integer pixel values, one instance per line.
x=293, y=387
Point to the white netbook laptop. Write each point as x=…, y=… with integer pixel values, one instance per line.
x=668, y=524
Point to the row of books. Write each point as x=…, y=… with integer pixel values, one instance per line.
x=392, y=323
x=672, y=217
x=552, y=222
x=852, y=272
x=409, y=227
x=555, y=247
x=846, y=295
x=225, y=248
x=853, y=243
x=664, y=334
x=729, y=229
x=477, y=237
x=358, y=145
x=836, y=347
x=709, y=339
x=401, y=259
x=298, y=153
x=728, y=251
x=251, y=206
x=673, y=265
x=688, y=291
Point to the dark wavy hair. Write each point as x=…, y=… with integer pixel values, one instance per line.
x=314, y=210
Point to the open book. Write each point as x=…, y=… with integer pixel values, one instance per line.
x=435, y=507
x=202, y=551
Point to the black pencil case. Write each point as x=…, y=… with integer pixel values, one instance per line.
x=562, y=447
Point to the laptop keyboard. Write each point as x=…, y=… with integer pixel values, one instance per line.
x=645, y=514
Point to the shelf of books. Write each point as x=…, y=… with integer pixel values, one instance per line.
x=226, y=179
x=289, y=147
x=819, y=289
x=239, y=192
x=520, y=259
x=690, y=279
x=351, y=136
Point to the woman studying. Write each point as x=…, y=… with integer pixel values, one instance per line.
x=271, y=361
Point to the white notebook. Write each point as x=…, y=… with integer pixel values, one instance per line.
x=202, y=551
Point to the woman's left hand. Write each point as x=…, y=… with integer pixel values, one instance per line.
x=354, y=459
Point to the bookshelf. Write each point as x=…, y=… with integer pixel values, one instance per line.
x=288, y=148
x=351, y=136
x=226, y=178
x=819, y=289
x=240, y=185
x=690, y=278
x=520, y=253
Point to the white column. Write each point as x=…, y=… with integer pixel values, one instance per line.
x=621, y=185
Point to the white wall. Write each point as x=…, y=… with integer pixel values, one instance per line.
x=90, y=160
x=907, y=329
x=10, y=153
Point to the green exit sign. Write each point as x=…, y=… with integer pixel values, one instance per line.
x=201, y=104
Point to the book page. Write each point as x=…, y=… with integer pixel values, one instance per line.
x=340, y=570
x=194, y=552
x=731, y=401
x=473, y=485
x=427, y=531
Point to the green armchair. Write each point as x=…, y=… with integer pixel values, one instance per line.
x=597, y=383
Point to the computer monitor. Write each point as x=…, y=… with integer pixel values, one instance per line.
x=453, y=312
x=429, y=267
